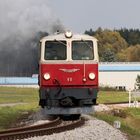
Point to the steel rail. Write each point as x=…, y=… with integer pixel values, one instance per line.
x=41, y=131
x=48, y=124
x=113, y=103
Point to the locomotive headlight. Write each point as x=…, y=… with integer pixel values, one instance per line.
x=68, y=34
x=92, y=76
x=47, y=76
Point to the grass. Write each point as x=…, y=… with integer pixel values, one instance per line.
x=130, y=124
x=129, y=117
x=18, y=95
x=112, y=96
x=9, y=115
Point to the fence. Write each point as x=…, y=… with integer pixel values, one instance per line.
x=133, y=95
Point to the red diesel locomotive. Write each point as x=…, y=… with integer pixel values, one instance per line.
x=68, y=73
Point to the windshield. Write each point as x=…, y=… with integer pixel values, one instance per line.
x=82, y=50
x=55, y=50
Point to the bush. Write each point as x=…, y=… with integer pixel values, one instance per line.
x=107, y=88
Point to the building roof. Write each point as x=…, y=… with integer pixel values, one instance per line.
x=18, y=80
x=119, y=67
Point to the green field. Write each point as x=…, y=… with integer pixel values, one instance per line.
x=10, y=115
x=28, y=95
x=18, y=95
x=130, y=117
x=113, y=97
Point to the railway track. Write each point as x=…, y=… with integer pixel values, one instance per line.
x=55, y=126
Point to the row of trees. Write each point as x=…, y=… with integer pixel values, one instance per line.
x=117, y=45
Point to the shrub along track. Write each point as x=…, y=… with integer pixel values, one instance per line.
x=55, y=126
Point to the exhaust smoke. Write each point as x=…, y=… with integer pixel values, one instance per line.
x=22, y=24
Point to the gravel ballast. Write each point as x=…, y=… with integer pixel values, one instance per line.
x=93, y=129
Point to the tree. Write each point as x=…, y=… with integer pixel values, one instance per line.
x=90, y=32
x=132, y=36
x=110, y=42
x=119, y=45
x=108, y=56
x=130, y=54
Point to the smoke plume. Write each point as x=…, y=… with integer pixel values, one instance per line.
x=22, y=24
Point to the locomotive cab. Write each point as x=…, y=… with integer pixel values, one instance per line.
x=68, y=73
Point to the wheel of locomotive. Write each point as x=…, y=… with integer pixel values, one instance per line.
x=75, y=116
x=70, y=117
x=51, y=117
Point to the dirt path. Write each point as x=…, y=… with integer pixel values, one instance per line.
x=12, y=104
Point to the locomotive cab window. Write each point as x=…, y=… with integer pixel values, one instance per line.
x=55, y=50
x=82, y=50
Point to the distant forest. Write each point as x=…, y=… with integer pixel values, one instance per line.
x=20, y=57
x=121, y=45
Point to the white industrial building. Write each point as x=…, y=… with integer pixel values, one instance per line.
x=118, y=74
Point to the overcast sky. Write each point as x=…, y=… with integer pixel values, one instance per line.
x=81, y=15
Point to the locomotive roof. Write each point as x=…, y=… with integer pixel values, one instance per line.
x=63, y=37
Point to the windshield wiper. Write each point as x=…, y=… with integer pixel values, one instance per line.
x=60, y=42
x=87, y=44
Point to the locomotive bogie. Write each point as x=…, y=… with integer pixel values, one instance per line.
x=68, y=110
x=68, y=97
